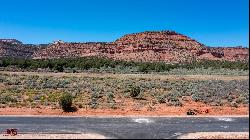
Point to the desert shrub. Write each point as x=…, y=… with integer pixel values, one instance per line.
x=63, y=83
x=94, y=99
x=96, y=94
x=59, y=67
x=161, y=99
x=66, y=102
x=13, y=81
x=173, y=98
x=216, y=103
x=240, y=100
x=111, y=101
x=143, y=68
x=110, y=97
x=213, y=92
x=7, y=99
x=54, y=96
x=135, y=91
x=234, y=104
x=80, y=106
x=94, y=104
x=230, y=98
x=208, y=71
x=195, y=97
x=113, y=105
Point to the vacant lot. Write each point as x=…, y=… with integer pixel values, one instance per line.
x=115, y=93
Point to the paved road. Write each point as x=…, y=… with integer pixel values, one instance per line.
x=125, y=127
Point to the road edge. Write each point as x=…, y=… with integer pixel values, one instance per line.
x=129, y=116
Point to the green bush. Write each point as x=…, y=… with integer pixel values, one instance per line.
x=66, y=102
x=59, y=67
x=100, y=63
x=135, y=91
x=110, y=97
x=161, y=99
x=7, y=99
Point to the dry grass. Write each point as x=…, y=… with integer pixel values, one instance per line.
x=140, y=76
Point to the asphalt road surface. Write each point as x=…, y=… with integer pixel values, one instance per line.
x=125, y=127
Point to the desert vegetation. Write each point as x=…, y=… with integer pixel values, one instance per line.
x=99, y=64
x=20, y=90
x=66, y=102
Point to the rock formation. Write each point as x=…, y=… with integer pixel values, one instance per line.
x=165, y=46
x=15, y=48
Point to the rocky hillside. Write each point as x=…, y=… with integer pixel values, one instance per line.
x=65, y=50
x=166, y=46
x=158, y=40
x=224, y=53
x=15, y=48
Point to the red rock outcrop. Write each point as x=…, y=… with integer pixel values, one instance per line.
x=165, y=46
x=15, y=48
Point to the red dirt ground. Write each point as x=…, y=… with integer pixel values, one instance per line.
x=157, y=110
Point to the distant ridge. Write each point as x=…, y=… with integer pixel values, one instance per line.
x=164, y=46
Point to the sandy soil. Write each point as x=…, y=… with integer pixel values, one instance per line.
x=128, y=76
x=216, y=135
x=157, y=110
x=53, y=136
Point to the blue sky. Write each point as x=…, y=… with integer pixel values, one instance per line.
x=212, y=22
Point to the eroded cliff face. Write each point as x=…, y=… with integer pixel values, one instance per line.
x=158, y=40
x=147, y=46
x=236, y=54
x=15, y=48
x=165, y=46
x=224, y=53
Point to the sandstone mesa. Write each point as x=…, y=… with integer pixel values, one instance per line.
x=151, y=46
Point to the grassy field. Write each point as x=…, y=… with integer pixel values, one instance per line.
x=103, y=91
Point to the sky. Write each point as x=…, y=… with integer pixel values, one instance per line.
x=211, y=22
